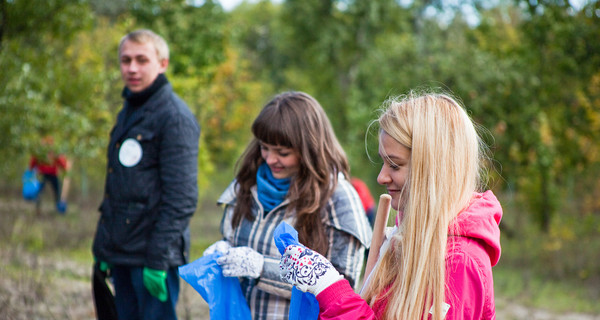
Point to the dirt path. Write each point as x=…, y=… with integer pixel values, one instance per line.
x=40, y=286
x=30, y=296
x=510, y=310
x=48, y=289
x=37, y=282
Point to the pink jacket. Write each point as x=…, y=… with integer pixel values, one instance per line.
x=469, y=260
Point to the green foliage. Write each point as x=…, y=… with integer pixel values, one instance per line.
x=54, y=81
x=545, y=56
x=195, y=34
x=527, y=72
x=231, y=102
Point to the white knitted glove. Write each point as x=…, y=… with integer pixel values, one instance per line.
x=241, y=262
x=307, y=270
x=219, y=246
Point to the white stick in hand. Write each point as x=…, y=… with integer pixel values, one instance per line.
x=383, y=213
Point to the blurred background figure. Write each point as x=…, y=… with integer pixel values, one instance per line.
x=48, y=163
x=365, y=197
x=151, y=188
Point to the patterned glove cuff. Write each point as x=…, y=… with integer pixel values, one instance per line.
x=327, y=281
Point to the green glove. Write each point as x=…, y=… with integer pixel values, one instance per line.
x=156, y=283
x=103, y=265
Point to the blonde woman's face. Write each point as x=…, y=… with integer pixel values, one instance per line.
x=283, y=162
x=394, y=171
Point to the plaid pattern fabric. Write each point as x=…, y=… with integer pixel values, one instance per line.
x=347, y=228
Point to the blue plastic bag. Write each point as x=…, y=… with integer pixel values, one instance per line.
x=223, y=294
x=31, y=185
x=304, y=305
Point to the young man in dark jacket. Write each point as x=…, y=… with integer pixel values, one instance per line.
x=151, y=185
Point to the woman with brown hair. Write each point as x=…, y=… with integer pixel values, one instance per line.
x=293, y=170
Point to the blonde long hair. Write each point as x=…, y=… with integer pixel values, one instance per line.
x=142, y=36
x=446, y=154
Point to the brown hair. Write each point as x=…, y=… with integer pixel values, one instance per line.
x=295, y=120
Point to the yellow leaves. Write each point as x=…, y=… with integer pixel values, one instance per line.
x=591, y=102
x=564, y=232
x=90, y=49
x=545, y=131
x=500, y=128
x=514, y=151
x=553, y=245
x=233, y=99
x=559, y=236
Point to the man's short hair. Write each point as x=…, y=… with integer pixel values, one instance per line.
x=144, y=36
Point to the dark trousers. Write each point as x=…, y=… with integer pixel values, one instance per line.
x=133, y=300
x=53, y=180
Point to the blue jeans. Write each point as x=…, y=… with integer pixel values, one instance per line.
x=134, y=302
x=55, y=186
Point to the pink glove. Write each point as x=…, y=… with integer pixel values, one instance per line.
x=307, y=270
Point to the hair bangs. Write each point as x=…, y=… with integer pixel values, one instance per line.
x=269, y=127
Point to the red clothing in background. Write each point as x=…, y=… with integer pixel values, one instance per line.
x=363, y=193
x=51, y=168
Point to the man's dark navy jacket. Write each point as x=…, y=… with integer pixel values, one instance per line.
x=151, y=187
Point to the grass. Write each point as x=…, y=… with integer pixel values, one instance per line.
x=47, y=259
x=558, y=270
x=533, y=291
x=43, y=255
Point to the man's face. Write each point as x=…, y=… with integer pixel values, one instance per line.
x=140, y=65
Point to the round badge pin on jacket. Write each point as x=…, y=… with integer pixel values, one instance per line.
x=130, y=153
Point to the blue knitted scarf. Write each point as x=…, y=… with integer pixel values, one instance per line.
x=271, y=191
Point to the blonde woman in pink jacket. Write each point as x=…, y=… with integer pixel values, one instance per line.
x=437, y=262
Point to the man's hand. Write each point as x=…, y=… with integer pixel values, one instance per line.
x=241, y=262
x=156, y=283
x=103, y=265
x=307, y=270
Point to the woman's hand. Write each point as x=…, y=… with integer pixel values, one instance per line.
x=307, y=270
x=219, y=246
x=241, y=262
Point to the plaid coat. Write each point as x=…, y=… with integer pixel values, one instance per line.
x=347, y=228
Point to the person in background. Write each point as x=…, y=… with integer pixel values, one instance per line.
x=438, y=262
x=365, y=197
x=293, y=170
x=151, y=188
x=49, y=164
